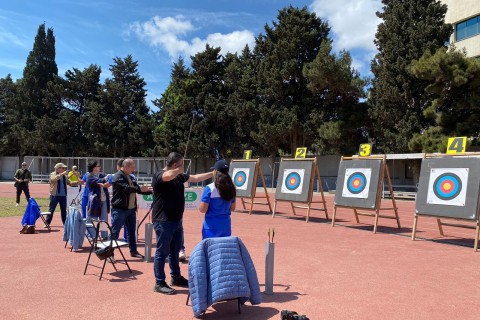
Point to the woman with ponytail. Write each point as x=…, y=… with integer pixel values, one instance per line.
x=218, y=201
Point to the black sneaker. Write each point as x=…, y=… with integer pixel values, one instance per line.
x=179, y=282
x=163, y=288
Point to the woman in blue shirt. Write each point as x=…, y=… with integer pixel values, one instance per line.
x=218, y=202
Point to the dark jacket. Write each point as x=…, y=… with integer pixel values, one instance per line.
x=122, y=190
x=95, y=193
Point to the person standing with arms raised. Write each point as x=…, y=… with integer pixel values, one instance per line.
x=58, y=192
x=168, y=206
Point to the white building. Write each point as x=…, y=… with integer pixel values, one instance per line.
x=464, y=15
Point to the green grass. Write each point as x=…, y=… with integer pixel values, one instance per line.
x=8, y=208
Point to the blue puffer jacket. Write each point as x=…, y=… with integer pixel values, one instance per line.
x=32, y=213
x=221, y=269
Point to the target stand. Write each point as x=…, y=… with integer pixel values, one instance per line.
x=295, y=185
x=360, y=184
x=449, y=189
x=245, y=174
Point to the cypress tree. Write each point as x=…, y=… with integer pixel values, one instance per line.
x=397, y=98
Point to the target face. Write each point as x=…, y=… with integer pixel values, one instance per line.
x=240, y=178
x=293, y=181
x=448, y=186
x=357, y=183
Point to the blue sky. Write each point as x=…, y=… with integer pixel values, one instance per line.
x=157, y=32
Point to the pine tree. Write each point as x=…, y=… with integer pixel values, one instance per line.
x=9, y=116
x=175, y=113
x=454, y=83
x=39, y=70
x=122, y=122
x=79, y=89
x=341, y=119
x=285, y=103
x=397, y=98
x=241, y=106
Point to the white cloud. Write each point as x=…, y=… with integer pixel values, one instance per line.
x=169, y=34
x=353, y=22
x=9, y=38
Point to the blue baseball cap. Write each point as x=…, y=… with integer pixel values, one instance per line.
x=221, y=165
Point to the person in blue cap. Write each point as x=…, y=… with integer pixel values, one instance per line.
x=218, y=202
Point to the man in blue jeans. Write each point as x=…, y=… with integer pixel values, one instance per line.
x=124, y=204
x=167, y=212
x=58, y=192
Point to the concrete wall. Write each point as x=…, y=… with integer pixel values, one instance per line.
x=8, y=166
x=328, y=166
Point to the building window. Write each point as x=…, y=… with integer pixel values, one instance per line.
x=468, y=28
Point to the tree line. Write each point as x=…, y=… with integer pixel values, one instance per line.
x=290, y=90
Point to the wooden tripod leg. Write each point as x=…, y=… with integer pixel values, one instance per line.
x=477, y=234
x=334, y=215
x=308, y=212
x=398, y=219
x=243, y=204
x=293, y=209
x=251, y=206
x=440, y=227
x=414, y=230
x=377, y=214
x=274, y=208
x=356, y=215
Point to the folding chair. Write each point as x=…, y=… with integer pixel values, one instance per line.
x=98, y=244
x=44, y=216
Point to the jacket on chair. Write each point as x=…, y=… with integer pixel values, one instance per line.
x=221, y=269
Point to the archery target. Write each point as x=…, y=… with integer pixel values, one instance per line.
x=356, y=183
x=240, y=178
x=293, y=181
x=448, y=186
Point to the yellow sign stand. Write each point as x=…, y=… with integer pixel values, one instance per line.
x=456, y=145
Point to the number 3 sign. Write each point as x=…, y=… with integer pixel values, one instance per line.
x=365, y=149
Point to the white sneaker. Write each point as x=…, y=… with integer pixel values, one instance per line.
x=181, y=255
x=16, y=204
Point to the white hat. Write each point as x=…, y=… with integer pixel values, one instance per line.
x=60, y=165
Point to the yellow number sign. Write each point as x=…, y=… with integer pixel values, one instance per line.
x=456, y=145
x=300, y=153
x=247, y=154
x=365, y=149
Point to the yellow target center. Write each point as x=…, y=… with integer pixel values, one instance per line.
x=447, y=186
x=356, y=183
x=240, y=178
x=293, y=180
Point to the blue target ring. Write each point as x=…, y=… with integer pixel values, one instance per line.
x=356, y=183
x=447, y=186
x=293, y=181
x=240, y=178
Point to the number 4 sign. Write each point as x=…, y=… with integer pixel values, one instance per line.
x=456, y=145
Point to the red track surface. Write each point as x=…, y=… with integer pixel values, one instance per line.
x=346, y=272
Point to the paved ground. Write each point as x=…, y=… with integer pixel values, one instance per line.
x=346, y=272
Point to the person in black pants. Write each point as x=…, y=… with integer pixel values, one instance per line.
x=22, y=178
x=124, y=204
